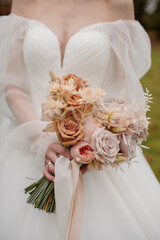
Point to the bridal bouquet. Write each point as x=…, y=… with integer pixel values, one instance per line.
x=97, y=132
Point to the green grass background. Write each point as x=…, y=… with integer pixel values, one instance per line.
x=152, y=81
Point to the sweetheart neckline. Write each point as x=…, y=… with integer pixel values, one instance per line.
x=62, y=55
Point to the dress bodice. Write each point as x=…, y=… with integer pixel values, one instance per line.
x=85, y=53
x=112, y=55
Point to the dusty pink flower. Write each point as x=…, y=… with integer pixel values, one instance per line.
x=90, y=125
x=82, y=152
x=105, y=144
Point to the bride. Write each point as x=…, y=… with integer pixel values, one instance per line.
x=98, y=40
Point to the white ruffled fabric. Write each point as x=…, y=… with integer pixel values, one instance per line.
x=112, y=55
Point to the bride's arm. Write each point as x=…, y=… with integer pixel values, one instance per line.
x=15, y=101
x=19, y=104
x=23, y=112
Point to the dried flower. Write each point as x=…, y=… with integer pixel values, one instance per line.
x=78, y=82
x=128, y=145
x=75, y=101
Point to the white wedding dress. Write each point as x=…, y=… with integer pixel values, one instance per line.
x=119, y=205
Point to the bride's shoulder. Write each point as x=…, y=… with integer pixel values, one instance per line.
x=124, y=8
x=123, y=2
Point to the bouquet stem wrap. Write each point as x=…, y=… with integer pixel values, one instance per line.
x=69, y=193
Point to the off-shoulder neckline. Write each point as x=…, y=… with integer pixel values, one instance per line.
x=77, y=32
x=90, y=25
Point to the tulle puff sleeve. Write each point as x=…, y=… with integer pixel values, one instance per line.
x=12, y=67
x=15, y=103
x=130, y=60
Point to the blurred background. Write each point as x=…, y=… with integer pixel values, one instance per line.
x=147, y=12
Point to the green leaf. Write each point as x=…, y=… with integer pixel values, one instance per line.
x=40, y=198
x=47, y=193
x=32, y=198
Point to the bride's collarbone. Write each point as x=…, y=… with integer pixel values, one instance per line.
x=66, y=22
x=67, y=18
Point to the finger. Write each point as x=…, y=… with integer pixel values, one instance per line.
x=48, y=175
x=61, y=150
x=50, y=156
x=65, y=153
x=51, y=168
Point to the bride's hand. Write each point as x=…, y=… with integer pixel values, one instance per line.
x=53, y=151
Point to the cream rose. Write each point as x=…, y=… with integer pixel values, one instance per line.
x=105, y=144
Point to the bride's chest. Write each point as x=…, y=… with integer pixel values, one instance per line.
x=88, y=50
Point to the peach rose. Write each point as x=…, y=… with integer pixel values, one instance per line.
x=69, y=128
x=82, y=152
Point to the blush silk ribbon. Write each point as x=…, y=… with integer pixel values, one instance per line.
x=69, y=194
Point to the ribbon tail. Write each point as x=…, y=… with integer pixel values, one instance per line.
x=63, y=193
x=74, y=227
x=69, y=194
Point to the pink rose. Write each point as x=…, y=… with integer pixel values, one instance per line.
x=105, y=144
x=82, y=152
x=90, y=125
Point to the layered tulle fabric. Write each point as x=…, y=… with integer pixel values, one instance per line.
x=111, y=55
